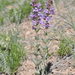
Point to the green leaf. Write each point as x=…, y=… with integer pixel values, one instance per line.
x=37, y=30
x=35, y=62
x=44, y=47
x=36, y=54
x=45, y=41
x=36, y=38
x=44, y=57
x=45, y=33
x=39, y=62
x=37, y=45
x=37, y=72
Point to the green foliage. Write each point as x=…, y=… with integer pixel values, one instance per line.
x=11, y=54
x=25, y=9
x=65, y=47
x=1, y=20
x=15, y=55
x=17, y=14
x=14, y=15
x=36, y=38
x=4, y=3
x=42, y=51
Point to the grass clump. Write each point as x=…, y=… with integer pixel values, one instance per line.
x=11, y=54
x=65, y=47
x=4, y=3
x=25, y=9
x=1, y=20
x=14, y=16
x=17, y=14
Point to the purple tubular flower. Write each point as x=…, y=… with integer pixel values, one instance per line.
x=35, y=9
x=46, y=25
x=36, y=15
x=38, y=5
x=41, y=18
x=52, y=10
x=40, y=14
x=46, y=11
x=44, y=17
x=41, y=22
x=40, y=9
x=46, y=4
x=51, y=1
x=33, y=28
x=48, y=18
x=32, y=16
x=31, y=4
x=34, y=22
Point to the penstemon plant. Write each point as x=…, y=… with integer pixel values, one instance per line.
x=40, y=19
x=36, y=14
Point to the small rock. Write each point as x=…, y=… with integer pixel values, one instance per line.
x=28, y=33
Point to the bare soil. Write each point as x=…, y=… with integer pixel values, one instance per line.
x=60, y=66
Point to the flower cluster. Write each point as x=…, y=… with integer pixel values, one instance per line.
x=41, y=18
x=48, y=12
x=36, y=14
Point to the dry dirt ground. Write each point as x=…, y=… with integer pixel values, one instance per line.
x=60, y=66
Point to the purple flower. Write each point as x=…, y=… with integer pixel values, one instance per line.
x=48, y=18
x=38, y=5
x=36, y=15
x=51, y=1
x=51, y=10
x=34, y=22
x=31, y=4
x=46, y=4
x=41, y=18
x=46, y=11
x=41, y=22
x=46, y=25
x=40, y=9
x=35, y=9
x=32, y=16
x=40, y=14
x=33, y=28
